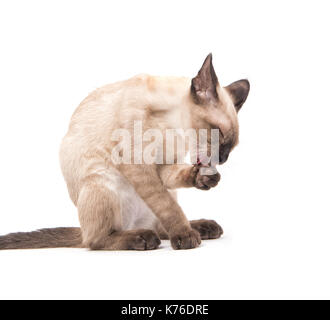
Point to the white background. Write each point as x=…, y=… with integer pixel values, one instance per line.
x=273, y=200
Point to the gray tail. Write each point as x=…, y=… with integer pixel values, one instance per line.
x=44, y=238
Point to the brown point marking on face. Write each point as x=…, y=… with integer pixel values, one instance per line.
x=216, y=107
x=225, y=150
x=204, y=85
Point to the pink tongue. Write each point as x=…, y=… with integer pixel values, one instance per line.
x=206, y=168
x=203, y=161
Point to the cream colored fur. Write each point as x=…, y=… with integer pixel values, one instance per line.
x=131, y=206
x=160, y=102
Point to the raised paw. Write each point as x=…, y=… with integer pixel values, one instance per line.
x=206, y=177
x=142, y=240
x=208, y=229
x=186, y=240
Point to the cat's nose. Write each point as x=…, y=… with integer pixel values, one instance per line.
x=224, y=152
x=223, y=157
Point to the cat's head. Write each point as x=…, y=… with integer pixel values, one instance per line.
x=216, y=107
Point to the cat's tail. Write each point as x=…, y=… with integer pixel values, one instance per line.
x=44, y=238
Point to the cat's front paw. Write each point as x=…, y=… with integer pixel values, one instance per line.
x=206, y=177
x=208, y=229
x=186, y=240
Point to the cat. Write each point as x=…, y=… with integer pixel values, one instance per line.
x=124, y=206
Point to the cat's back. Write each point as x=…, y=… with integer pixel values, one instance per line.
x=107, y=103
x=116, y=104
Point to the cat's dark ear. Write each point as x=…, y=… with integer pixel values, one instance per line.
x=239, y=92
x=204, y=85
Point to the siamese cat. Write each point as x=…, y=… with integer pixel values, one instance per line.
x=132, y=206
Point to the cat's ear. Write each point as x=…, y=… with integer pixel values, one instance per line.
x=239, y=92
x=204, y=85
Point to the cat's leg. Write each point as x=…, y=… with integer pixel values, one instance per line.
x=188, y=176
x=185, y=176
x=148, y=184
x=163, y=235
x=102, y=223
